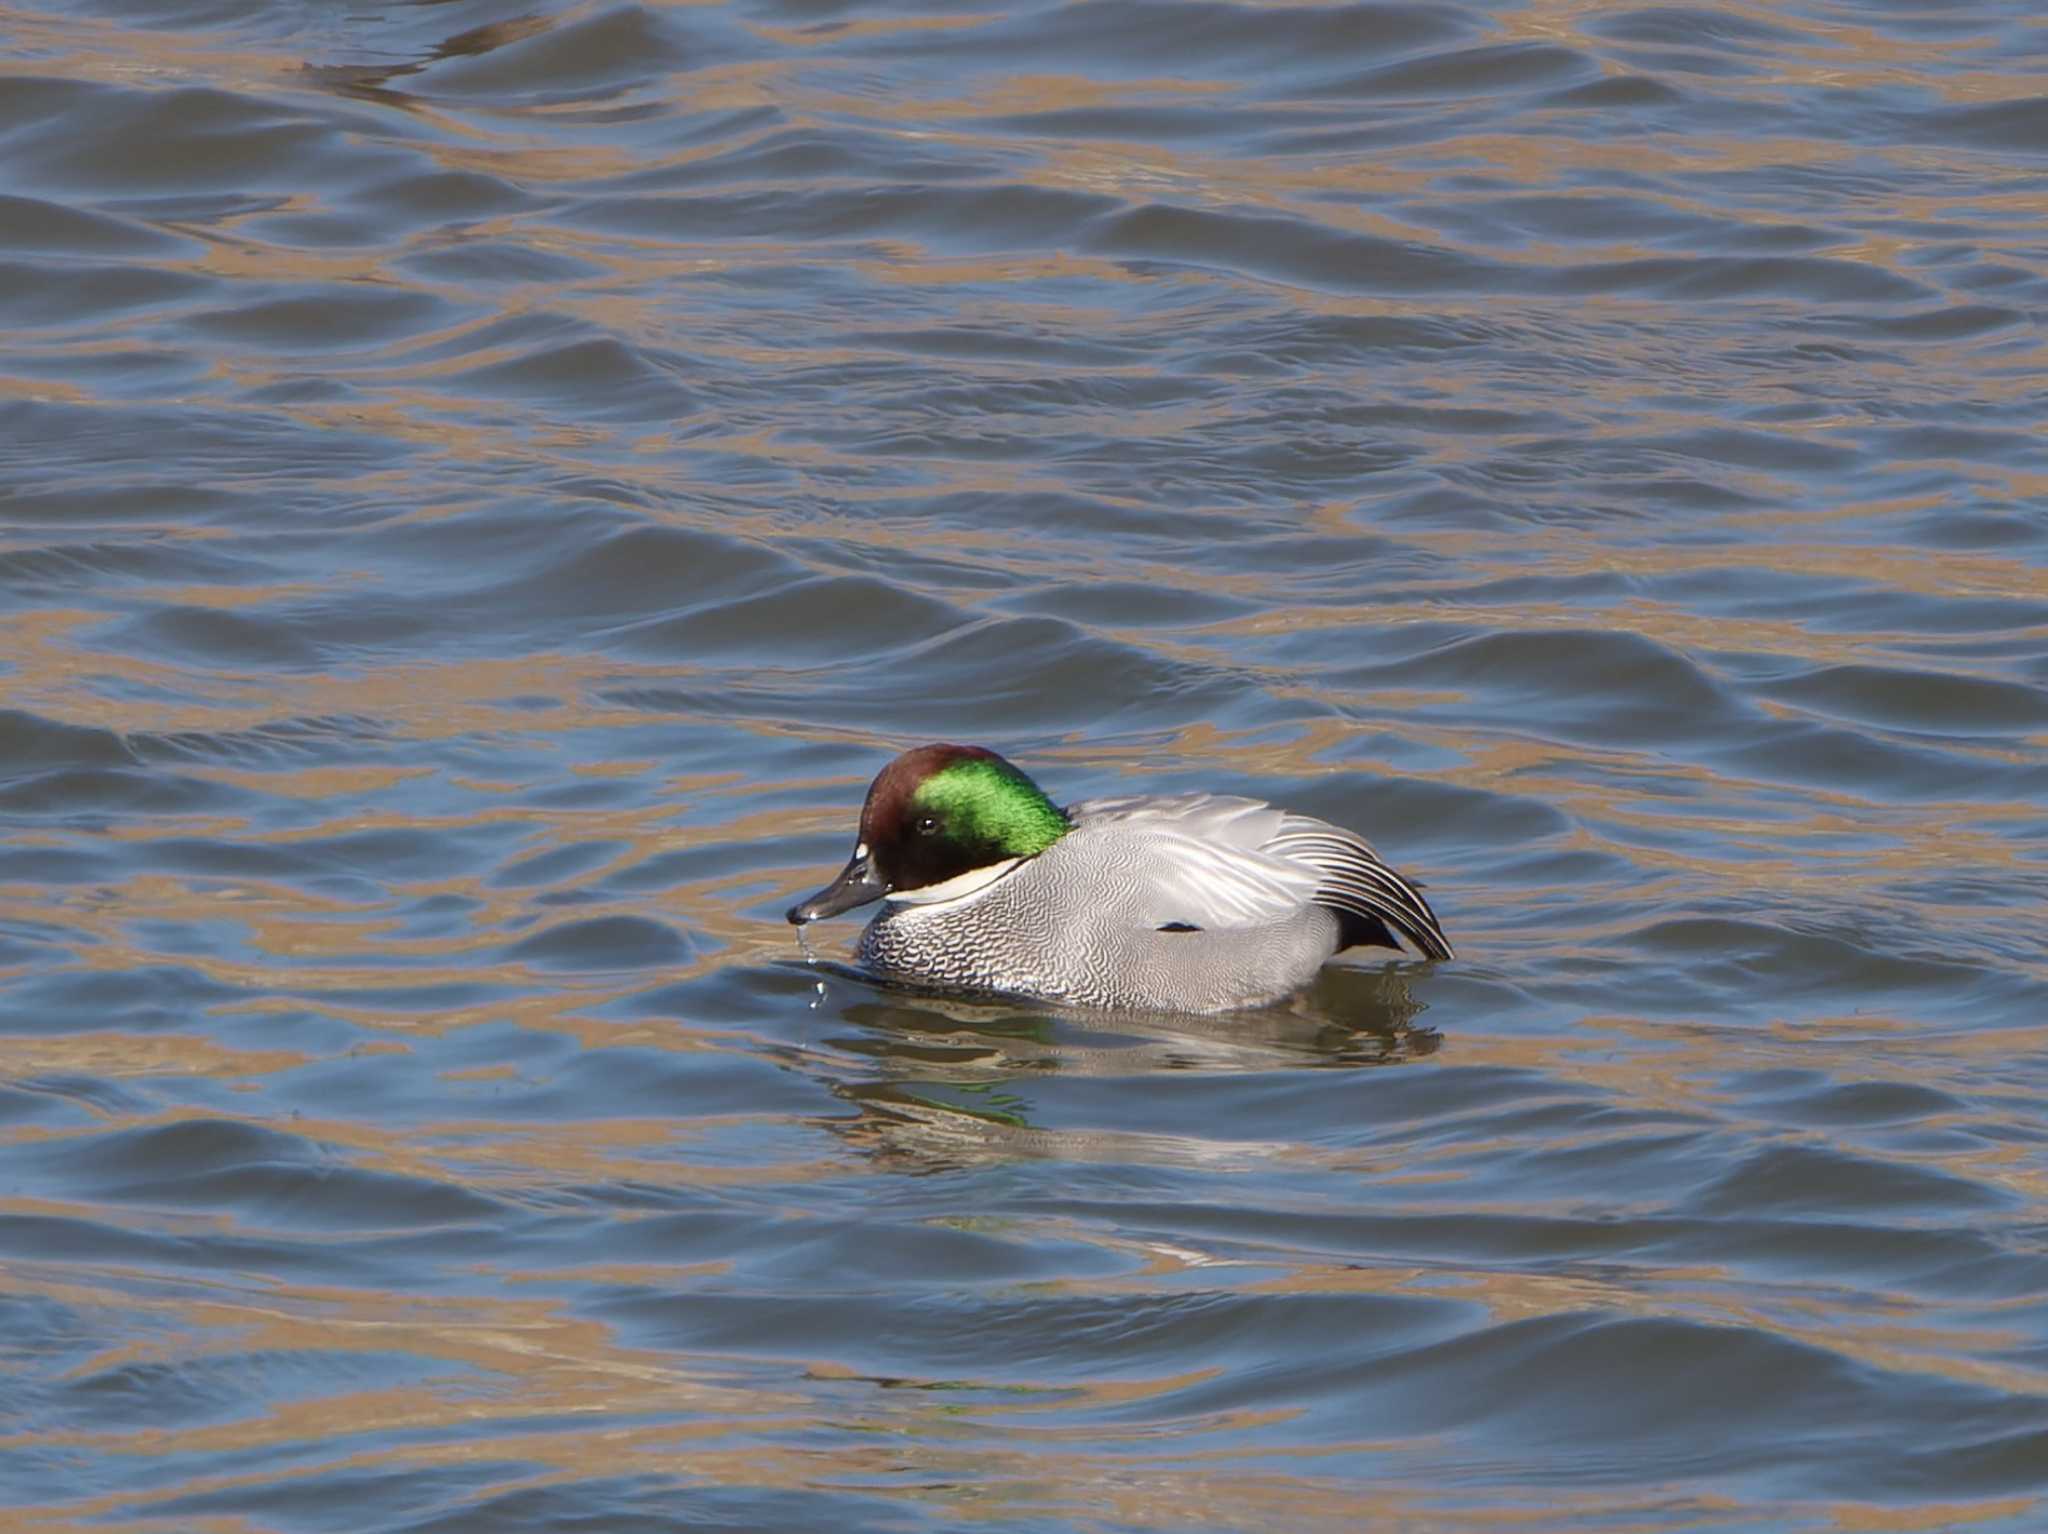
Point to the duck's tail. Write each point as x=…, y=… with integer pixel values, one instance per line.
x=1368, y=896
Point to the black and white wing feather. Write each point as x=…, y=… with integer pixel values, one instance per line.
x=1356, y=883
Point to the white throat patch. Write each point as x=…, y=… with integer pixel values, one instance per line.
x=955, y=891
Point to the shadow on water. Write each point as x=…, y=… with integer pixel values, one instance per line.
x=957, y=1080
x=372, y=82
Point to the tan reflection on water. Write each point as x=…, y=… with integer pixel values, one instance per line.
x=114, y=1055
x=971, y=1448
x=513, y=1362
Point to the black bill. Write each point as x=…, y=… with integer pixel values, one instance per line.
x=856, y=885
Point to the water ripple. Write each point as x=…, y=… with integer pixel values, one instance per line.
x=480, y=495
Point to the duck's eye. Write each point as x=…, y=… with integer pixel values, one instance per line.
x=927, y=824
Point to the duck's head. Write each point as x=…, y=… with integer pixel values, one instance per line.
x=934, y=817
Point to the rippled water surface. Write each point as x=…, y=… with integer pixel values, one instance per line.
x=483, y=488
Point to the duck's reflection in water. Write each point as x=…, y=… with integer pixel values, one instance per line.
x=954, y=1081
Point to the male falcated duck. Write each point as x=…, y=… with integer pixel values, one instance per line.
x=1181, y=902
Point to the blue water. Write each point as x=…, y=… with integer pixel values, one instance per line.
x=481, y=494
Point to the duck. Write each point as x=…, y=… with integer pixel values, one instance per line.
x=1191, y=902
